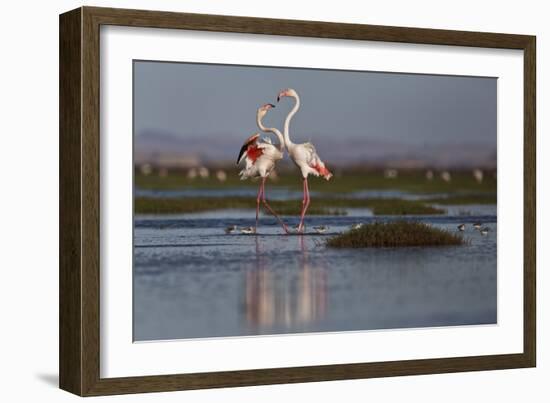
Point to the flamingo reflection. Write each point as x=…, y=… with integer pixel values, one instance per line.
x=285, y=298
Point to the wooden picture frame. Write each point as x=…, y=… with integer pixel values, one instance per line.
x=79, y=201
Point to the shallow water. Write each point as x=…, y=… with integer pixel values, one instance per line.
x=275, y=193
x=282, y=193
x=192, y=280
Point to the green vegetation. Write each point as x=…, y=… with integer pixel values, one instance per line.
x=401, y=207
x=294, y=207
x=489, y=198
x=343, y=182
x=331, y=200
x=146, y=205
x=378, y=206
x=394, y=234
x=199, y=204
x=318, y=206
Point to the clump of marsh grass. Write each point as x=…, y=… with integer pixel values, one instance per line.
x=395, y=234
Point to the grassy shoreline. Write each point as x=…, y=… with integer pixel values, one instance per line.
x=331, y=200
x=319, y=206
x=395, y=234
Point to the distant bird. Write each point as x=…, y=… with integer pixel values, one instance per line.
x=221, y=175
x=446, y=176
x=321, y=229
x=192, y=173
x=390, y=173
x=261, y=157
x=231, y=229
x=477, y=225
x=204, y=172
x=478, y=175
x=146, y=169
x=484, y=231
x=248, y=230
x=356, y=225
x=461, y=227
x=304, y=155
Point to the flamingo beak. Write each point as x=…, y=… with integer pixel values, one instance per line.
x=278, y=98
x=273, y=106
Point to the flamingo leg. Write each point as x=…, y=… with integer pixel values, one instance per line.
x=267, y=206
x=258, y=199
x=305, y=205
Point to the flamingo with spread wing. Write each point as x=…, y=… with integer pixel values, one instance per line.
x=261, y=156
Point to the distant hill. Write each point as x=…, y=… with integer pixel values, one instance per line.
x=169, y=148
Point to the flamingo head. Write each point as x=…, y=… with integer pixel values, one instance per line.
x=325, y=173
x=262, y=110
x=322, y=170
x=289, y=92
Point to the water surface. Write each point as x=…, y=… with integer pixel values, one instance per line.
x=191, y=280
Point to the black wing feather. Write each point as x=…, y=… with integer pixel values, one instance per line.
x=251, y=140
x=243, y=150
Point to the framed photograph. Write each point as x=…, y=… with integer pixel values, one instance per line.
x=249, y=201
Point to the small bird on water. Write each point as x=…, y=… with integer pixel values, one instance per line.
x=321, y=229
x=477, y=225
x=231, y=229
x=248, y=230
x=356, y=225
x=461, y=227
x=484, y=231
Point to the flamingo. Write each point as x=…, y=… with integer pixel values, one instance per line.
x=261, y=156
x=304, y=155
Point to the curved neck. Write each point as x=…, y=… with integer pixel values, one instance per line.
x=290, y=115
x=271, y=130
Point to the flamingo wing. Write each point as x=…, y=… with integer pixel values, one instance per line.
x=310, y=149
x=250, y=149
x=315, y=162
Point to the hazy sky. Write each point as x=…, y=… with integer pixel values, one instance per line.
x=220, y=102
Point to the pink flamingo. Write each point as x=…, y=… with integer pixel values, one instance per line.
x=261, y=156
x=304, y=155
